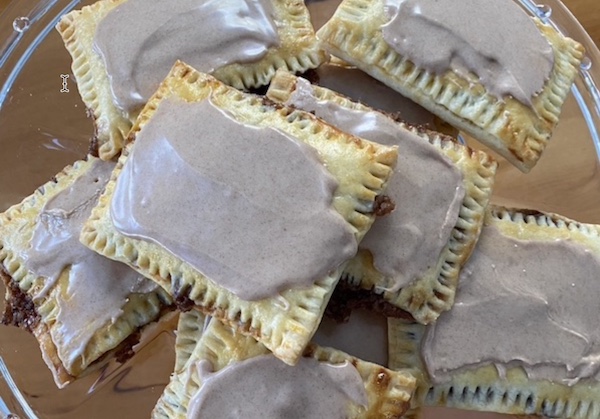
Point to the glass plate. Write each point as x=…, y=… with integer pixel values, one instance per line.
x=44, y=127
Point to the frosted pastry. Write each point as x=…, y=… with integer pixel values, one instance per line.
x=502, y=78
x=522, y=337
x=360, y=87
x=269, y=204
x=123, y=49
x=79, y=305
x=414, y=254
x=231, y=375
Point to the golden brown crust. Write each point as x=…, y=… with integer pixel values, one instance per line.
x=362, y=169
x=388, y=392
x=17, y=225
x=515, y=131
x=298, y=51
x=188, y=333
x=482, y=388
x=427, y=297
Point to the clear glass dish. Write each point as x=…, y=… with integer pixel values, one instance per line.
x=44, y=127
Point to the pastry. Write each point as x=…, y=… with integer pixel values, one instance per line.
x=357, y=85
x=245, y=208
x=80, y=306
x=522, y=337
x=122, y=49
x=414, y=254
x=502, y=78
x=231, y=375
x=189, y=329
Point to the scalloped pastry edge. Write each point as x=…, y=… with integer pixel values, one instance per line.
x=510, y=128
x=427, y=297
x=482, y=388
x=286, y=335
x=20, y=218
x=388, y=392
x=299, y=51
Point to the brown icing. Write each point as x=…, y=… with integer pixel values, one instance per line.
x=496, y=41
x=249, y=207
x=527, y=303
x=265, y=387
x=140, y=40
x=98, y=287
x=426, y=185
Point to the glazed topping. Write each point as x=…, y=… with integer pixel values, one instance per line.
x=98, y=287
x=496, y=41
x=361, y=87
x=265, y=387
x=140, y=40
x=363, y=336
x=532, y=304
x=427, y=186
x=248, y=207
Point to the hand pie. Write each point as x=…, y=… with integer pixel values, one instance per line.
x=522, y=337
x=245, y=208
x=122, y=50
x=358, y=86
x=229, y=373
x=502, y=78
x=414, y=254
x=79, y=306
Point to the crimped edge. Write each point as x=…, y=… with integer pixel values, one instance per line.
x=482, y=388
x=300, y=51
x=111, y=124
x=427, y=297
x=514, y=130
x=286, y=334
x=389, y=392
x=15, y=271
x=189, y=331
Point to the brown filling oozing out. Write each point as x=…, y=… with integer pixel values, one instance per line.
x=19, y=310
x=346, y=298
x=383, y=205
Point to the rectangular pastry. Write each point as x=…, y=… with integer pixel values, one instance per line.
x=123, y=49
x=502, y=78
x=231, y=374
x=241, y=207
x=522, y=337
x=413, y=255
x=357, y=85
x=79, y=305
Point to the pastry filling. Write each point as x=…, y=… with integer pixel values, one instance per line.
x=140, y=40
x=494, y=41
x=364, y=336
x=363, y=88
x=265, y=387
x=428, y=188
x=248, y=207
x=535, y=306
x=98, y=287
